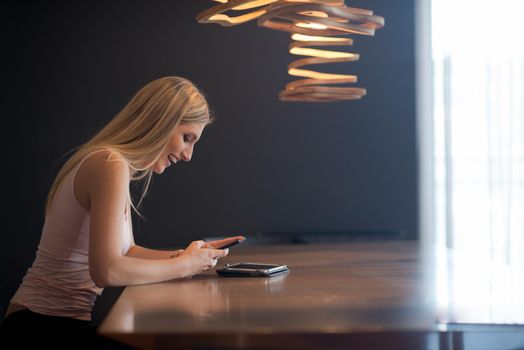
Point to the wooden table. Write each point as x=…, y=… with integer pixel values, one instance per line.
x=392, y=295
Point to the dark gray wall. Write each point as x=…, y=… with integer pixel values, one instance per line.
x=264, y=165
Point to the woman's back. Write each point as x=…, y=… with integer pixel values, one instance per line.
x=59, y=282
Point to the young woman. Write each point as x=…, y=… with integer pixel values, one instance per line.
x=87, y=239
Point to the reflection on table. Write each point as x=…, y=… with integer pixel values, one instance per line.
x=365, y=294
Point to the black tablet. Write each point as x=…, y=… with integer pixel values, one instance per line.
x=252, y=270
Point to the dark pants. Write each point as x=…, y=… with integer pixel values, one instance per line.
x=29, y=328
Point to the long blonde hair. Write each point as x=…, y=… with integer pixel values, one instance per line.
x=141, y=130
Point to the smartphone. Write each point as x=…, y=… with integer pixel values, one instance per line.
x=234, y=243
x=252, y=269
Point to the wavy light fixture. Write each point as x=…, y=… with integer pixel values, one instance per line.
x=312, y=24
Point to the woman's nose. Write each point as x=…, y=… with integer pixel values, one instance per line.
x=187, y=153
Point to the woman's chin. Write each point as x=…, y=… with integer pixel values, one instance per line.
x=159, y=170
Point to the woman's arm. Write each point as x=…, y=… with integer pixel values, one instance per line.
x=108, y=190
x=136, y=251
x=126, y=271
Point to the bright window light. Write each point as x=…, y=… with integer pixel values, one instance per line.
x=478, y=72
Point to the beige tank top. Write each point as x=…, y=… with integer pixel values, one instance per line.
x=58, y=283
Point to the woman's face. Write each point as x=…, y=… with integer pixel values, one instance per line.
x=180, y=146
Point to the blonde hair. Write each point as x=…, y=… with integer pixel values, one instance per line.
x=141, y=130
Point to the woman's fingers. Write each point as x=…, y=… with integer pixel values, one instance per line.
x=215, y=254
x=212, y=264
x=199, y=244
x=205, y=258
x=218, y=253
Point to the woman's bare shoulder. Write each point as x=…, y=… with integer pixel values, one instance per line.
x=106, y=158
x=105, y=167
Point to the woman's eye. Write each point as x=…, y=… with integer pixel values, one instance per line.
x=186, y=139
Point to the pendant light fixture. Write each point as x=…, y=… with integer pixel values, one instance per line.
x=313, y=26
